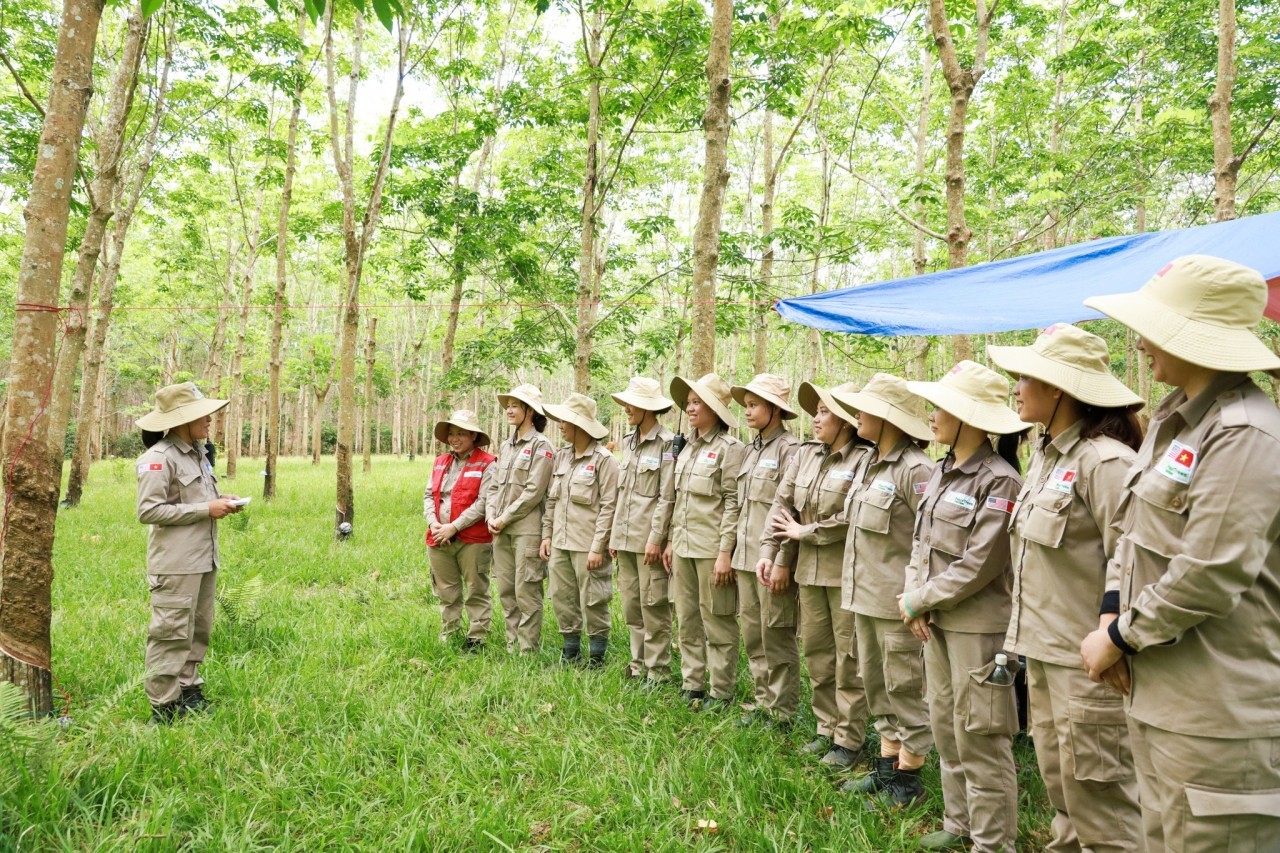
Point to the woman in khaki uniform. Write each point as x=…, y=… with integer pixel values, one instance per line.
x=767, y=618
x=704, y=529
x=640, y=522
x=1062, y=538
x=1192, y=607
x=459, y=545
x=957, y=599
x=575, y=529
x=805, y=545
x=881, y=512
x=513, y=510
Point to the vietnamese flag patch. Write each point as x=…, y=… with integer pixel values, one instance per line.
x=1002, y=504
x=1178, y=463
x=156, y=466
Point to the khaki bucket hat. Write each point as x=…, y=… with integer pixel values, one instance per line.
x=887, y=397
x=770, y=388
x=1200, y=309
x=462, y=419
x=527, y=394
x=177, y=405
x=643, y=393
x=580, y=411
x=712, y=390
x=811, y=395
x=976, y=395
x=1068, y=357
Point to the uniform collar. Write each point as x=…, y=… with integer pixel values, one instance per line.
x=182, y=446
x=653, y=433
x=591, y=449
x=971, y=464
x=1064, y=441
x=715, y=431
x=844, y=451
x=525, y=439
x=1193, y=410
x=898, y=449
x=773, y=434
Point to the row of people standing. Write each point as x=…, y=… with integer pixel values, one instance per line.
x=898, y=572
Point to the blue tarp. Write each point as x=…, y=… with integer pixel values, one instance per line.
x=1034, y=291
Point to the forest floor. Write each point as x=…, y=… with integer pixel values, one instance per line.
x=343, y=721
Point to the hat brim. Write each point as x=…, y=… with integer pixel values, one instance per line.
x=442, y=432
x=739, y=393
x=1087, y=386
x=590, y=426
x=1228, y=348
x=861, y=401
x=811, y=395
x=680, y=388
x=655, y=403
x=505, y=400
x=193, y=411
x=988, y=417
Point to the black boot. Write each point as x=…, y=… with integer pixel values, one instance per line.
x=193, y=700
x=167, y=714
x=572, y=651
x=598, y=647
x=873, y=782
x=904, y=789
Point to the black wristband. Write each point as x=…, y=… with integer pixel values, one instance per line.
x=1110, y=602
x=1113, y=631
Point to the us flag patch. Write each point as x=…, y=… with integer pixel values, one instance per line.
x=919, y=488
x=1002, y=504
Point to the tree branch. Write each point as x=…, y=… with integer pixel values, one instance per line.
x=893, y=204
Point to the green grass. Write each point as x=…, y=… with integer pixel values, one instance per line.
x=343, y=722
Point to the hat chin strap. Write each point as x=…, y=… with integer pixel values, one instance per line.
x=757, y=443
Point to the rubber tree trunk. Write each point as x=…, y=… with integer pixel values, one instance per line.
x=586, y=305
x=30, y=481
x=1226, y=166
x=370, y=406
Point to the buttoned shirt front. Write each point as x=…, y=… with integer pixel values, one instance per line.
x=642, y=517
x=881, y=513
x=763, y=467
x=813, y=493
x=580, y=500
x=960, y=572
x=175, y=485
x=1061, y=540
x=1197, y=565
x=518, y=486
x=704, y=496
x=468, y=516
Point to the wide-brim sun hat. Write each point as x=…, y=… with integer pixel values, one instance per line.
x=462, y=419
x=711, y=390
x=1200, y=309
x=578, y=410
x=644, y=393
x=975, y=395
x=811, y=395
x=527, y=394
x=1069, y=358
x=769, y=387
x=177, y=405
x=887, y=397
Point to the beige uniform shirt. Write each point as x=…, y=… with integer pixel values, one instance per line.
x=881, y=512
x=518, y=485
x=642, y=517
x=471, y=514
x=959, y=570
x=175, y=485
x=704, y=496
x=762, y=470
x=580, y=501
x=1061, y=540
x=1197, y=566
x=813, y=492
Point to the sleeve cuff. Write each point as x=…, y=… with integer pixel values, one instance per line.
x=1113, y=631
x=1110, y=602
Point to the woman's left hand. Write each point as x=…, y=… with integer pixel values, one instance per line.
x=786, y=527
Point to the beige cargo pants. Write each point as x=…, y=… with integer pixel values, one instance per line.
x=769, y=636
x=830, y=653
x=520, y=572
x=708, y=617
x=452, y=566
x=579, y=596
x=178, y=636
x=891, y=662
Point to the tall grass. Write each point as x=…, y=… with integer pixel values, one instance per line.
x=343, y=722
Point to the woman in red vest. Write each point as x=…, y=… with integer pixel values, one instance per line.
x=459, y=543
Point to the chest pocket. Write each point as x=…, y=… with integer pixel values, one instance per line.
x=763, y=484
x=190, y=486
x=647, y=477
x=832, y=491
x=804, y=489
x=1159, y=513
x=873, y=511
x=1046, y=519
x=582, y=487
x=949, y=530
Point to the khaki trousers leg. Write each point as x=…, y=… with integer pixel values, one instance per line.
x=692, y=638
x=629, y=564
x=451, y=566
x=720, y=622
x=973, y=726
x=504, y=573
x=830, y=653
x=446, y=581
x=563, y=589
x=749, y=592
x=779, y=617
x=655, y=608
x=1082, y=747
x=178, y=635
x=520, y=573
x=891, y=661
x=1205, y=794
x=595, y=592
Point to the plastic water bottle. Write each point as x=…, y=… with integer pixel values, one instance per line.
x=1001, y=676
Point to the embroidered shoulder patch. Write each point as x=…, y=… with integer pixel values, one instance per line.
x=1179, y=463
x=1002, y=504
x=919, y=488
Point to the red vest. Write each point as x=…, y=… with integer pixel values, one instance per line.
x=465, y=491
